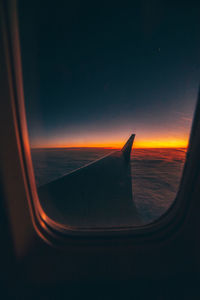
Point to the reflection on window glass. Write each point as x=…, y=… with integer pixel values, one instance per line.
x=94, y=74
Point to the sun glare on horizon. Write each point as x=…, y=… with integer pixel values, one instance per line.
x=148, y=143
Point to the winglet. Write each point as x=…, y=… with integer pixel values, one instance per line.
x=128, y=147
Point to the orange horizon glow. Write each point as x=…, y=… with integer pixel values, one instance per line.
x=156, y=143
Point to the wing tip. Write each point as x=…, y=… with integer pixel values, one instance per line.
x=126, y=150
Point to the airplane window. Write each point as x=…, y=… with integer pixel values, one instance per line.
x=100, y=79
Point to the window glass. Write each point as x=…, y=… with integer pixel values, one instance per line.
x=95, y=73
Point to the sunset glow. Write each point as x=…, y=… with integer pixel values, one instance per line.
x=154, y=143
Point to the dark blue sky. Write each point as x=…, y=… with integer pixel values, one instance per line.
x=96, y=71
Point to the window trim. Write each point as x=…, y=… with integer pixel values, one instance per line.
x=50, y=231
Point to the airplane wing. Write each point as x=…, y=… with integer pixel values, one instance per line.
x=96, y=195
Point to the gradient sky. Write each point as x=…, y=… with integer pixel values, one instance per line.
x=95, y=72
